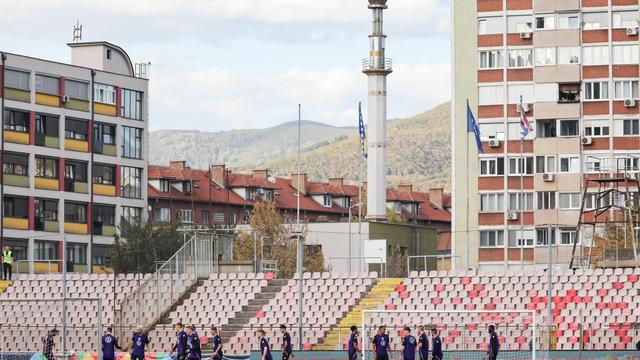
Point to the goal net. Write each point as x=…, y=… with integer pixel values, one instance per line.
x=463, y=334
x=26, y=322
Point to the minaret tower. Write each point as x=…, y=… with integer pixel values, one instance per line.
x=377, y=67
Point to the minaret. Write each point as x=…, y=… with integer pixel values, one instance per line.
x=377, y=67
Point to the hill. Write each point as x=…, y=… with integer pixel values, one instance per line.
x=419, y=149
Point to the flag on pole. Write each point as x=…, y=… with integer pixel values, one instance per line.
x=363, y=136
x=472, y=127
x=525, y=125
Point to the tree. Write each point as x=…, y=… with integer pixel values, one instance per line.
x=142, y=244
x=273, y=239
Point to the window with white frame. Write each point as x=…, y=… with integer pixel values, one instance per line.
x=568, y=55
x=545, y=56
x=491, y=166
x=625, y=89
x=630, y=127
x=595, y=55
x=545, y=164
x=185, y=215
x=567, y=237
x=17, y=79
x=492, y=203
x=544, y=235
x=326, y=201
x=521, y=238
x=520, y=201
x=491, y=238
x=625, y=19
x=490, y=59
x=490, y=25
x=545, y=22
x=491, y=95
x=569, y=164
x=595, y=20
x=492, y=131
x=546, y=200
x=163, y=214
x=597, y=128
x=594, y=164
x=568, y=21
x=518, y=166
x=596, y=90
x=521, y=58
x=569, y=127
x=625, y=54
x=519, y=23
x=546, y=128
x=105, y=94
x=627, y=163
x=569, y=201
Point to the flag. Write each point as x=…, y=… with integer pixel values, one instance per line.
x=472, y=127
x=363, y=136
x=525, y=125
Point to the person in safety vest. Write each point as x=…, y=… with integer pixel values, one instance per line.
x=7, y=263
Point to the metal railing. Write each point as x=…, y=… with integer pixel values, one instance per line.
x=453, y=262
x=377, y=64
x=23, y=267
x=155, y=296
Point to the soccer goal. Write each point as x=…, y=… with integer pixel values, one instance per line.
x=26, y=322
x=463, y=334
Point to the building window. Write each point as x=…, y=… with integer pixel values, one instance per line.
x=595, y=55
x=131, y=216
x=45, y=210
x=625, y=19
x=490, y=59
x=568, y=93
x=542, y=236
x=104, y=174
x=185, y=215
x=131, y=107
x=77, y=253
x=15, y=120
x=545, y=164
x=76, y=129
x=569, y=128
x=490, y=25
x=545, y=22
x=522, y=58
x=76, y=171
x=250, y=194
x=545, y=56
x=569, y=201
x=546, y=200
x=131, y=182
x=76, y=89
x=164, y=185
x=15, y=164
x=568, y=55
x=105, y=94
x=546, y=128
x=16, y=79
x=45, y=250
x=568, y=21
x=46, y=168
x=524, y=199
x=521, y=238
x=46, y=125
x=491, y=95
x=631, y=127
x=518, y=166
x=491, y=203
x=131, y=142
x=625, y=54
x=625, y=89
x=519, y=23
x=218, y=217
x=627, y=164
x=15, y=207
x=567, y=237
x=326, y=201
x=162, y=214
x=595, y=20
x=75, y=212
x=108, y=54
x=492, y=167
x=104, y=134
x=569, y=164
x=491, y=238
x=598, y=90
x=204, y=218
x=47, y=84
x=591, y=129
x=103, y=215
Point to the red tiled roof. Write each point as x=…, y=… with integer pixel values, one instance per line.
x=286, y=198
x=320, y=188
x=247, y=180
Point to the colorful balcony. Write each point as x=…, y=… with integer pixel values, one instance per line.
x=16, y=180
x=16, y=223
x=52, y=142
x=76, y=145
x=75, y=228
x=17, y=94
x=16, y=137
x=78, y=105
x=78, y=187
x=110, y=150
x=47, y=184
x=51, y=226
x=105, y=190
x=45, y=267
x=47, y=99
x=105, y=109
x=108, y=231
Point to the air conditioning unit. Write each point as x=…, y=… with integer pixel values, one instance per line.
x=632, y=31
x=494, y=143
x=512, y=216
x=526, y=35
x=587, y=140
x=548, y=177
x=65, y=98
x=574, y=60
x=629, y=103
x=526, y=107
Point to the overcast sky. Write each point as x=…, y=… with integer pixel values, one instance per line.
x=232, y=64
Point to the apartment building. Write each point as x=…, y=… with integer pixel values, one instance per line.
x=74, y=155
x=575, y=65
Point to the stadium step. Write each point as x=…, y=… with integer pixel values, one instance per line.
x=166, y=320
x=374, y=298
x=4, y=285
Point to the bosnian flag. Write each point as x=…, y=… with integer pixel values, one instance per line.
x=525, y=125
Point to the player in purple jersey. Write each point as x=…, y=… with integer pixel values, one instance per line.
x=381, y=344
x=436, y=345
x=354, y=346
x=48, y=344
x=139, y=342
x=180, y=348
x=265, y=349
x=409, y=344
x=286, y=343
x=217, y=344
x=109, y=345
x=193, y=344
x=423, y=343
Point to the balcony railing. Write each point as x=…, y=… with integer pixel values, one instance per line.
x=369, y=64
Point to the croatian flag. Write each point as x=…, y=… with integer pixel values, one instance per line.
x=525, y=125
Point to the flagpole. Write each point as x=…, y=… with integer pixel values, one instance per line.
x=521, y=200
x=467, y=172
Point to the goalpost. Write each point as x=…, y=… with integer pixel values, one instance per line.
x=463, y=333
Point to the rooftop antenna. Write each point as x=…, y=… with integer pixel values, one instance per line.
x=77, y=32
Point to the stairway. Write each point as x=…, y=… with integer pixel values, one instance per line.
x=376, y=296
x=166, y=319
x=4, y=285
